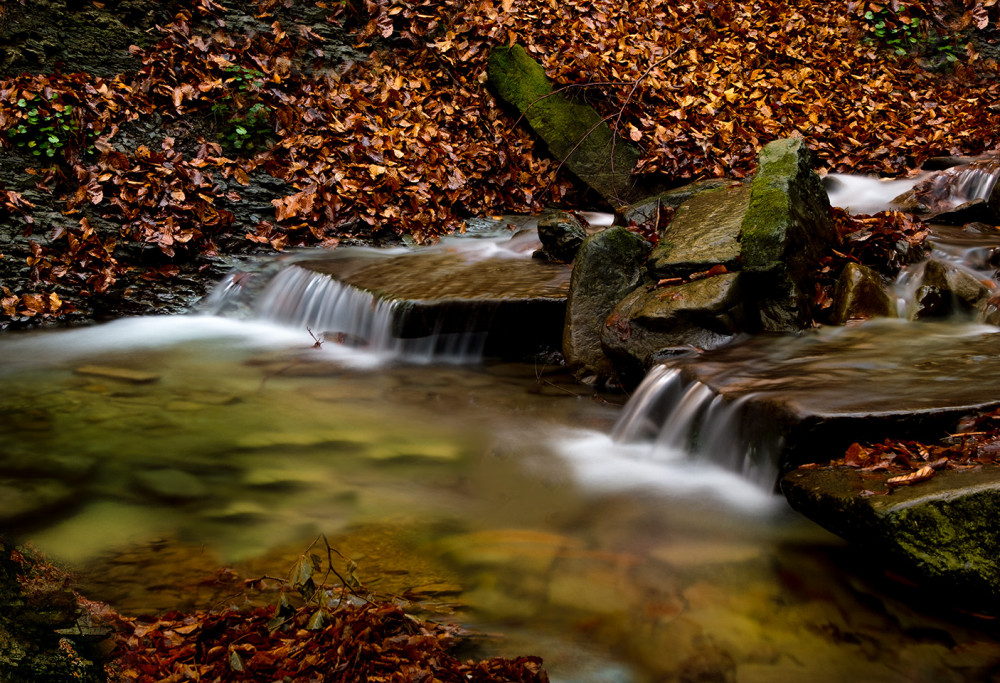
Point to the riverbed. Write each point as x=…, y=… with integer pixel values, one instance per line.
x=163, y=450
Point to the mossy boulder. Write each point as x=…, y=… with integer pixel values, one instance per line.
x=608, y=266
x=786, y=230
x=574, y=133
x=941, y=533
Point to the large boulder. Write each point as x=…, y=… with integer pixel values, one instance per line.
x=941, y=533
x=786, y=230
x=608, y=266
x=702, y=313
x=575, y=133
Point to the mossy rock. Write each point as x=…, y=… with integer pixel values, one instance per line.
x=941, y=533
x=786, y=230
x=575, y=134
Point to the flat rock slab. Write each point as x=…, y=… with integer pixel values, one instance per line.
x=820, y=392
x=704, y=232
x=941, y=532
x=519, y=302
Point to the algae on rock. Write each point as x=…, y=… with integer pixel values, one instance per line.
x=575, y=133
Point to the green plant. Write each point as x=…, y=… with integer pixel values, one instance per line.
x=45, y=128
x=899, y=32
x=247, y=120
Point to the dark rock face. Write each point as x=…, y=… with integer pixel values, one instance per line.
x=561, y=235
x=785, y=231
x=41, y=33
x=941, y=533
x=31, y=648
x=608, y=266
x=575, y=133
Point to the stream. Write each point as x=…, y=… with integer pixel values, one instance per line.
x=148, y=453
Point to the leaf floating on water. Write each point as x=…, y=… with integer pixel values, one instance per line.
x=923, y=474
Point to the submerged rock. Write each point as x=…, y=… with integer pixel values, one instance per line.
x=941, y=533
x=575, y=133
x=608, y=266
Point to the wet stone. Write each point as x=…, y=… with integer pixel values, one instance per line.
x=171, y=484
x=118, y=374
x=22, y=498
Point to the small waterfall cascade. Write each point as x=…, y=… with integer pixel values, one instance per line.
x=340, y=313
x=681, y=419
x=955, y=186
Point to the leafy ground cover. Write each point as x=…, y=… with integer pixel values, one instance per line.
x=399, y=136
x=315, y=632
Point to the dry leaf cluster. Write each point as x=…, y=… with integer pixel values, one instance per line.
x=405, y=139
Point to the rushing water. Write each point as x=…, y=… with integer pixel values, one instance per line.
x=148, y=453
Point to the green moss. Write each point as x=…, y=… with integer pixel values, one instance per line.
x=575, y=133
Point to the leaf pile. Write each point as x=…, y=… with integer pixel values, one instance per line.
x=371, y=642
x=401, y=136
x=976, y=444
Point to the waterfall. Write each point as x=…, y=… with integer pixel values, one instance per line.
x=303, y=299
x=681, y=419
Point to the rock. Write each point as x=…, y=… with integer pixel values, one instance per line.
x=702, y=313
x=705, y=232
x=561, y=235
x=575, y=133
x=116, y=373
x=860, y=294
x=33, y=498
x=608, y=266
x=787, y=228
x=171, y=485
x=944, y=290
x=516, y=304
x=644, y=210
x=941, y=533
x=806, y=399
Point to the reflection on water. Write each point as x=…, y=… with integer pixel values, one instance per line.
x=488, y=494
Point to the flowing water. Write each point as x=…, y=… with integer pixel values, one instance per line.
x=149, y=453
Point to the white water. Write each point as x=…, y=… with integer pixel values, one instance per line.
x=866, y=194
x=673, y=420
